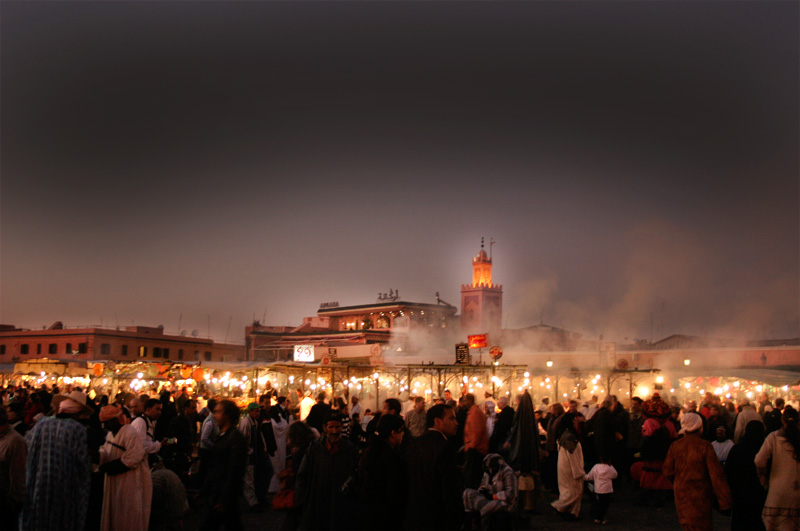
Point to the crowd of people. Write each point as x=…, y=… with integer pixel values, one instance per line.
x=72, y=460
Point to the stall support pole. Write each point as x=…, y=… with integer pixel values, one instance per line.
x=556, y=397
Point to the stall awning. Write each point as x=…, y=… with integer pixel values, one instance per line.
x=773, y=377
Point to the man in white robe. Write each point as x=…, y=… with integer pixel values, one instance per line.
x=128, y=488
x=570, y=482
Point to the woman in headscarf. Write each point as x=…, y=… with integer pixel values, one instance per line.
x=657, y=436
x=782, y=508
x=698, y=477
x=746, y=490
x=523, y=453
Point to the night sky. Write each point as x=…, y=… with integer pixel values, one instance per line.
x=187, y=163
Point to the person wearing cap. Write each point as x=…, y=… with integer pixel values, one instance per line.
x=697, y=476
x=128, y=488
x=256, y=449
x=58, y=468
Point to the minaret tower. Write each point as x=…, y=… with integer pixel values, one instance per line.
x=481, y=301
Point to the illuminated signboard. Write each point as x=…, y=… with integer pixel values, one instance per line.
x=478, y=341
x=304, y=353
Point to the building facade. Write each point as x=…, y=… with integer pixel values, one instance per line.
x=132, y=343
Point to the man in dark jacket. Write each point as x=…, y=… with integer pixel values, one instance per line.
x=320, y=487
x=223, y=485
x=502, y=426
x=184, y=429
x=434, y=497
x=318, y=414
x=772, y=419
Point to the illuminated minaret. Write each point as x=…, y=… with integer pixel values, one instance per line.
x=481, y=301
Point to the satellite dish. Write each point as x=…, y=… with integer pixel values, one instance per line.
x=195, y=333
x=161, y=327
x=183, y=333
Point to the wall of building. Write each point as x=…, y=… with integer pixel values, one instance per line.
x=132, y=343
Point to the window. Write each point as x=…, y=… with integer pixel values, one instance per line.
x=2, y=349
x=52, y=348
x=69, y=348
x=124, y=350
x=180, y=354
x=142, y=352
x=165, y=353
x=83, y=348
x=24, y=348
x=38, y=348
x=156, y=352
x=208, y=356
x=105, y=348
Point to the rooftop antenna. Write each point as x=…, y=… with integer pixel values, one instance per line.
x=180, y=320
x=229, y=328
x=491, y=242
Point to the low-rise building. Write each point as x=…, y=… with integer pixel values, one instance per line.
x=144, y=343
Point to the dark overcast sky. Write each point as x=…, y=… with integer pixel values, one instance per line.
x=216, y=160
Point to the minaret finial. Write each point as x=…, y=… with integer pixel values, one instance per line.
x=481, y=242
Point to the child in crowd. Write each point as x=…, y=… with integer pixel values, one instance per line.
x=602, y=474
